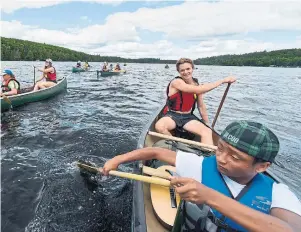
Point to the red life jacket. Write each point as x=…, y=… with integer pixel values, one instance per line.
x=5, y=84
x=180, y=101
x=51, y=76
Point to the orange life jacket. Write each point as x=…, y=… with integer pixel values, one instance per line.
x=5, y=87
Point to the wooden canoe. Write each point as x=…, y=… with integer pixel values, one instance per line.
x=148, y=207
x=30, y=96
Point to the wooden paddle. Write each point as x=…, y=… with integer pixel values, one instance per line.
x=34, y=75
x=146, y=179
x=6, y=99
x=220, y=105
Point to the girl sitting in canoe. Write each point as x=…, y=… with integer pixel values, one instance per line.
x=117, y=67
x=10, y=86
x=105, y=67
x=49, y=73
x=183, y=93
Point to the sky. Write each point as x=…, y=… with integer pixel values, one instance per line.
x=156, y=29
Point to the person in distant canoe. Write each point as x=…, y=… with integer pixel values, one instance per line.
x=78, y=64
x=49, y=73
x=105, y=67
x=117, y=67
x=86, y=65
x=183, y=93
x=10, y=86
x=228, y=191
x=111, y=67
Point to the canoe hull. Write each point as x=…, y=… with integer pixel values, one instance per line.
x=109, y=73
x=39, y=95
x=76, y=70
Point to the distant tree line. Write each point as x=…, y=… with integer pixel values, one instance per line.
x=284, y=58
x=18, y=50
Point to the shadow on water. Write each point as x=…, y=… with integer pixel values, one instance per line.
x=98, y=118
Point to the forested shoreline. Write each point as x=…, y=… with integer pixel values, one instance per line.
x=20, y=50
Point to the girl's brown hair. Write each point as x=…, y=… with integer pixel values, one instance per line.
x=182, y=61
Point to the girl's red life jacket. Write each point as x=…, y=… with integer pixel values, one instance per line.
x=180, y=101
x=51, y=76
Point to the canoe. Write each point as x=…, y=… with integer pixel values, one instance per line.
x=148, y=212
x=28, y=96
x=109, y=73
x=75, y=69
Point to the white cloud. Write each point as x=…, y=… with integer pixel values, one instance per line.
x=95, y=34
x=198, y=21
x=167, y=50
x=9, y=6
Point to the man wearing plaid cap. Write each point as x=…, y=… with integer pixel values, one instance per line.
x=228, y=191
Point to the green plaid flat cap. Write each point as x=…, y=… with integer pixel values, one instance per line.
x=252, y=138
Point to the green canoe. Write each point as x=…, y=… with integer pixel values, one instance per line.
x=75, y=70
x=27, y=97
x=109, y=73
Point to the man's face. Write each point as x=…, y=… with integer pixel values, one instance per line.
x=186, y=70
x=236, y=164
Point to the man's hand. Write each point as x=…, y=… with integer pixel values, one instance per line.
x=111, y=164
x=190, y=190
x=229, y=80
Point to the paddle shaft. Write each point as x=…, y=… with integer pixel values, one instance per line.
x=34, y=75
x=221, y=105
x=169, y=137
x=146, y=179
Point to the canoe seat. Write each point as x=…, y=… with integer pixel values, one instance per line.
x=184, y=134
x=26, y=90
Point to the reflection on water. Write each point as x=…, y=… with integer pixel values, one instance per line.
x=98, y=118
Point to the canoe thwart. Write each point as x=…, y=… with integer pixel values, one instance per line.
x=169, y=137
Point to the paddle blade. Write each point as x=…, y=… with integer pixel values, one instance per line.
x=91, y=169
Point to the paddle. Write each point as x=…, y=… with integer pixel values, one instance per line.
x=220, y=105
x=6, y=99
x=146, y=179
x=34, y=75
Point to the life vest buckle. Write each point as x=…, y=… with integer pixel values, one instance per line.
x=220, y=223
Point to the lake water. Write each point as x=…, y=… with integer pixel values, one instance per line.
x=98, y=118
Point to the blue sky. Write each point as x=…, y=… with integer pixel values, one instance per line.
x=162, y=29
